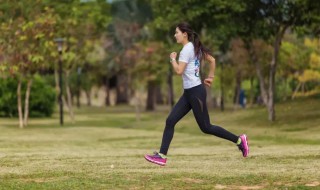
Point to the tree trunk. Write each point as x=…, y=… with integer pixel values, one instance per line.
x=130, y=88
x=237, y=90
x=20, y=104
x=272, y=74
x=263, y=91
x=170, y=88
x=78, y=99
x=209, y=100
x=78, y=89
x=295, y=91
x=266, y=95
x=122, y=89
x=59, y=96
x=159, y=97
x=107, y=87
x=254, y=60
x=214, y=102
x=222, y=89
x=72, y=97
x=26, y=103
x=88, y=95
x=150, y=96
x=69, y=103
x=285, y=88
x=138, y=105
x=251, y=91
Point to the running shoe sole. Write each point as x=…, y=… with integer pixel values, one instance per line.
x=153, y=161
x=245, y=142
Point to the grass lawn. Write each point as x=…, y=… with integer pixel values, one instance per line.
x=104, y=150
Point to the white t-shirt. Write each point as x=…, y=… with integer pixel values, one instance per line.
x=191, y=75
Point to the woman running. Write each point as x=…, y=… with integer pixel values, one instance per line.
x=194, y=96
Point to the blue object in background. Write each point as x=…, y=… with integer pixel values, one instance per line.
x=242, y=99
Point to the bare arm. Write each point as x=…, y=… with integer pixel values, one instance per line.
x=212, y=62
x=178, y=67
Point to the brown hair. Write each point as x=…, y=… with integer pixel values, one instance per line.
x=193, y=37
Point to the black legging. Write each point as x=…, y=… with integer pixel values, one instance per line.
x=195, y=99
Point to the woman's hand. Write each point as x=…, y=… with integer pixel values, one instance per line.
x=208, y=81
x=173, y=55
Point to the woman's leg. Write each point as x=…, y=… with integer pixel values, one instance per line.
x=178, y=112
x=197, y=99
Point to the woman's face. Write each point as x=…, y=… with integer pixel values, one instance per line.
x=180, y=36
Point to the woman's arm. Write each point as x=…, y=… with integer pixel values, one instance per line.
x=212, y=62
x=178, y=68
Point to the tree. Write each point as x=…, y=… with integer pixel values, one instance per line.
x=150, y=69
x=273, y=18
x=239, y=58
x=26, y=35
x=293, y=60
x=81, y=26
x=127, y=28
x=309, y=78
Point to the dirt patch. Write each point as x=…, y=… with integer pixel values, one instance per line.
x=218, y=186
x=2, y=155
x=251, y=187
x=43, y=180
x=313, y=184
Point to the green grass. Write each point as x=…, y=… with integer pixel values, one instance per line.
x=104, y=150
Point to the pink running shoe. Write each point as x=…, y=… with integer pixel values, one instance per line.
x=156, y=158
x=244, y=145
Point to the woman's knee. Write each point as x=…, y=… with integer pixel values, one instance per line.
x=205, y=131
x=205, y=128
x=170, y=122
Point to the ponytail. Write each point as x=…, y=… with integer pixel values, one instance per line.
x=199, y=50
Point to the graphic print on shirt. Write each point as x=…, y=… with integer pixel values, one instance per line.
x=197, y=68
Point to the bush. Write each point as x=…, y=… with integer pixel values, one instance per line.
x=283, y=90
x=8, y=97
x=41, y=103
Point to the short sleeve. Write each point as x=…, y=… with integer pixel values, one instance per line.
x=184, y=55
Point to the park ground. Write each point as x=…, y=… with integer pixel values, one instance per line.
x=104, y=149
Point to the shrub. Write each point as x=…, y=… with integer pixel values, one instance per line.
x=42, y=98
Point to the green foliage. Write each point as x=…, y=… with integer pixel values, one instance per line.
x=8, y=97
x=81, y=24
x=101, y=37
x=152, y=63
x=25, y=36
x=294, y=56
x=283, y=90
x=300, y=61
x=42, y=98
x=246, y=86
x=217, y=17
